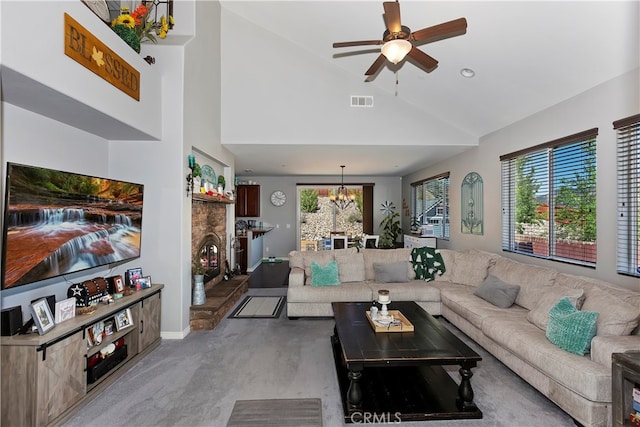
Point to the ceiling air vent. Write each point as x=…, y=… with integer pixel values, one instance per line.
x=362, y=101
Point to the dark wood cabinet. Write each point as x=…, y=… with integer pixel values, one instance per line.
x=248, y=201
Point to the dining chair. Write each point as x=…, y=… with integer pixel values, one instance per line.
x=371, y=241
x=339, y=242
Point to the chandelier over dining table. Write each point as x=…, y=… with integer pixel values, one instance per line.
x=342, y=198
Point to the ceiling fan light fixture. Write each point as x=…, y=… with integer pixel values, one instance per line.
x=395, y=50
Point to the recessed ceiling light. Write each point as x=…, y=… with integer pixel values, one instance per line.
x=467, y=73
x=248, y=171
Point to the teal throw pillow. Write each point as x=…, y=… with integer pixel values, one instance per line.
x=571, y=329
x=427, y=263
x=324, y=276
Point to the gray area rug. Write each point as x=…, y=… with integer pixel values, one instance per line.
x=196, y=381
x=276, y=413
x=259, y=307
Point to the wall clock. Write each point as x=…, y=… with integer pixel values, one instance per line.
x=278, y=198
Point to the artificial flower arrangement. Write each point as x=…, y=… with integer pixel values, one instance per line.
x=137, y=27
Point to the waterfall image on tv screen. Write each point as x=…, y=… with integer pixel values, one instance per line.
x=57, y=223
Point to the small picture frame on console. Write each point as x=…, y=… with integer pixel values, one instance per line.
x=65, y=309
x=143, y=282
x=42, y=316
x=132, y=275
x=124, y=319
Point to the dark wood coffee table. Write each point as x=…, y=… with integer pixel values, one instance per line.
x=398, y=376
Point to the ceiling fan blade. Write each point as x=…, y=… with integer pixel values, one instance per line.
x=392, y=16
x=358, y=43
x=425, y=61
x=442, y=31
x=377, y=64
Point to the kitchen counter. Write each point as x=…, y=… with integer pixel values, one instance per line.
x=252, y=243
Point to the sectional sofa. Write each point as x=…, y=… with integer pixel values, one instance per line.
x=516, y=333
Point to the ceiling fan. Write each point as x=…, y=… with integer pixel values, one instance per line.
x=398, y=41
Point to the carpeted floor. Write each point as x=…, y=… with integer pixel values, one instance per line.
x=196, y=381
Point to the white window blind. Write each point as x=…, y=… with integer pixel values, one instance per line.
x=628, y=170
x=430, y=205
x=549, y=200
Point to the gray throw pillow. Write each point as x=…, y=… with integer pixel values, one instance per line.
x=393, y=272
x=497, y=292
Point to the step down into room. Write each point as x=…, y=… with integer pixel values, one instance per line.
x=220, y=298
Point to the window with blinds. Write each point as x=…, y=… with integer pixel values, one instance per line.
x=628, y=170
x=549, y=200
x=430, y=206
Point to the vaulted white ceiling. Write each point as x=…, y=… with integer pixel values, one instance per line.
x=286, y=91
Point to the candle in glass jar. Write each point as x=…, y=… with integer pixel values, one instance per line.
x=383, y=296
x=192, y=161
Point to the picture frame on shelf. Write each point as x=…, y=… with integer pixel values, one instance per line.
x=124, y=319
x=132, y=275
x=65, y=310
x=42, y=316
x=143, y=282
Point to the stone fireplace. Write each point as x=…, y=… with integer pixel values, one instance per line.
x=208, y=238
x=208, y=244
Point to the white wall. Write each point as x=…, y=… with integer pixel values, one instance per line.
x=282, y=240
x=31, y=139
x=598, y=107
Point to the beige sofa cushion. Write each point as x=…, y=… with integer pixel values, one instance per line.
x=468, y=268
x=461, y=300
x=350, y=267
x=590, y=380
x=356, y=291
x=539, y=316
x=372, y=256
x=619, y=308
x=415, y=290
x=616, y=316
x=532, y=279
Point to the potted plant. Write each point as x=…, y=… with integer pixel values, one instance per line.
x=391, y=229
x=221, y=184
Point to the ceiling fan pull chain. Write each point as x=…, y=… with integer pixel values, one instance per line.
x=396, y=83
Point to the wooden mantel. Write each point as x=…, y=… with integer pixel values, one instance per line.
x=212, y=199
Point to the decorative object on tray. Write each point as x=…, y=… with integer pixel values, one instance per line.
x=383, y=299
x=394, y=321
x=141, y=25
x=42, y=316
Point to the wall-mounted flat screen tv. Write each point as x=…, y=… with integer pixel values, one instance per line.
x=56, y=223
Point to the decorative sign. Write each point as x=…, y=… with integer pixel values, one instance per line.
x=472, y=220
x=84, y=48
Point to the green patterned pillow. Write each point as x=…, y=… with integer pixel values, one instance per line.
x=427, y=263
x=324, y=276
x=571, y=329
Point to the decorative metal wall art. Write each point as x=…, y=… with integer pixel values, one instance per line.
x=472, y=209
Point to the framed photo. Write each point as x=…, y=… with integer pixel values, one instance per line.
x=143, y=282
x=132, y=275
x=124, y=319
x=42, y=316
x=65, y=309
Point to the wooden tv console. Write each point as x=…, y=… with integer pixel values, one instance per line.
x=45, y=378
